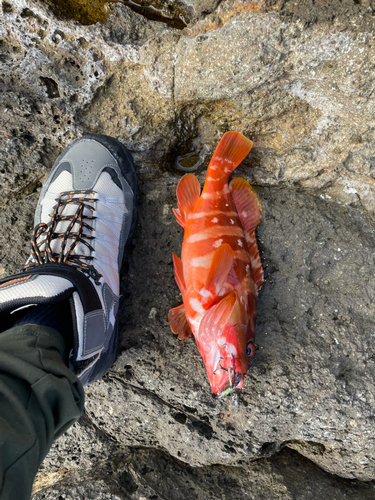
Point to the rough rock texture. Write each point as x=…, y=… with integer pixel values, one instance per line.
x=298, y=79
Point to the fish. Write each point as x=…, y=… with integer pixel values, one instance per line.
x=220, y=271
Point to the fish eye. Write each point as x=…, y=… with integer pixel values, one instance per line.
x=250, y=349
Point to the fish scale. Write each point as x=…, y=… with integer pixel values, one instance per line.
x=220, y=272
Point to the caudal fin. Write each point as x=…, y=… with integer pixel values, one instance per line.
x=231, y=150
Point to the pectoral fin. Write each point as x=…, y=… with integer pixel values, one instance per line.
x=217, y=316
x=188, y=192
x=249, y=210
x=178, y=322
x=221, y=265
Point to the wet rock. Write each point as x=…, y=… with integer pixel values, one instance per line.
x=297, y=78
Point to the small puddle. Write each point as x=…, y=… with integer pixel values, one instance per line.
x=191, y=161
x=92, y=11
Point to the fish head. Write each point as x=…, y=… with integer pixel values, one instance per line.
x=226, y=343
x=233, y=353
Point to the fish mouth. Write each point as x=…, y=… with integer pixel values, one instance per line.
x=234, y=378
x=230, y=371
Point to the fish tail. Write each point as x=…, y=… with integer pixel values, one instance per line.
x=231, y=150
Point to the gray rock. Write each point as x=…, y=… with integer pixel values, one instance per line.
x=297, y=78
x=311, y=386
x=144, y=473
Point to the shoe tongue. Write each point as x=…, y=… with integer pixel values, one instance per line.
x=33, y=289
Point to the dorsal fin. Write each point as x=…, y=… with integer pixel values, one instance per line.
x=179, y=273
x=178, y=322
x=188, y=192
x=221, y=265
x=231, y=150
x=249, y=210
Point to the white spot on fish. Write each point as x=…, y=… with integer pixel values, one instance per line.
x=247, y=269
x=232, y=221
x=227, y=204
x=213, y=231
x=198, y=215
x=214, y=220
x=205, y=293
x=240, y=243
x=195, y=322
x=244, y=213
x=203, y=261
x=196, y=305
x=218, y=243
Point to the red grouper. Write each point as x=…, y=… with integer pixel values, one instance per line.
x=220, y=271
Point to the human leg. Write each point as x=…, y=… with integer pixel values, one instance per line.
x=40, y=397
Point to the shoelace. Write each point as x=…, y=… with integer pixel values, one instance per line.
x=43, y=256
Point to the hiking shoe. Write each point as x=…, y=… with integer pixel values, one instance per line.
x=84, y=220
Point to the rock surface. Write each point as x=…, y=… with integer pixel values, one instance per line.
x=298, y=79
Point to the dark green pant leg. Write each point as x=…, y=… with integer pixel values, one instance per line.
x=39, y=399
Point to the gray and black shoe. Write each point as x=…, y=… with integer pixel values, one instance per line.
x=84, y=220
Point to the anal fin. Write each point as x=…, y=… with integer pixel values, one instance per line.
x=249, y=210
x=178, y=322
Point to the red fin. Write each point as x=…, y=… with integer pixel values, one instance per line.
x=217, y=315
x=179, y=273
x=231, y=150
x=188, y=192
x=179, y=218
x=247, y=203
x=221, y=265
x=178, y=322
x=249, y=210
